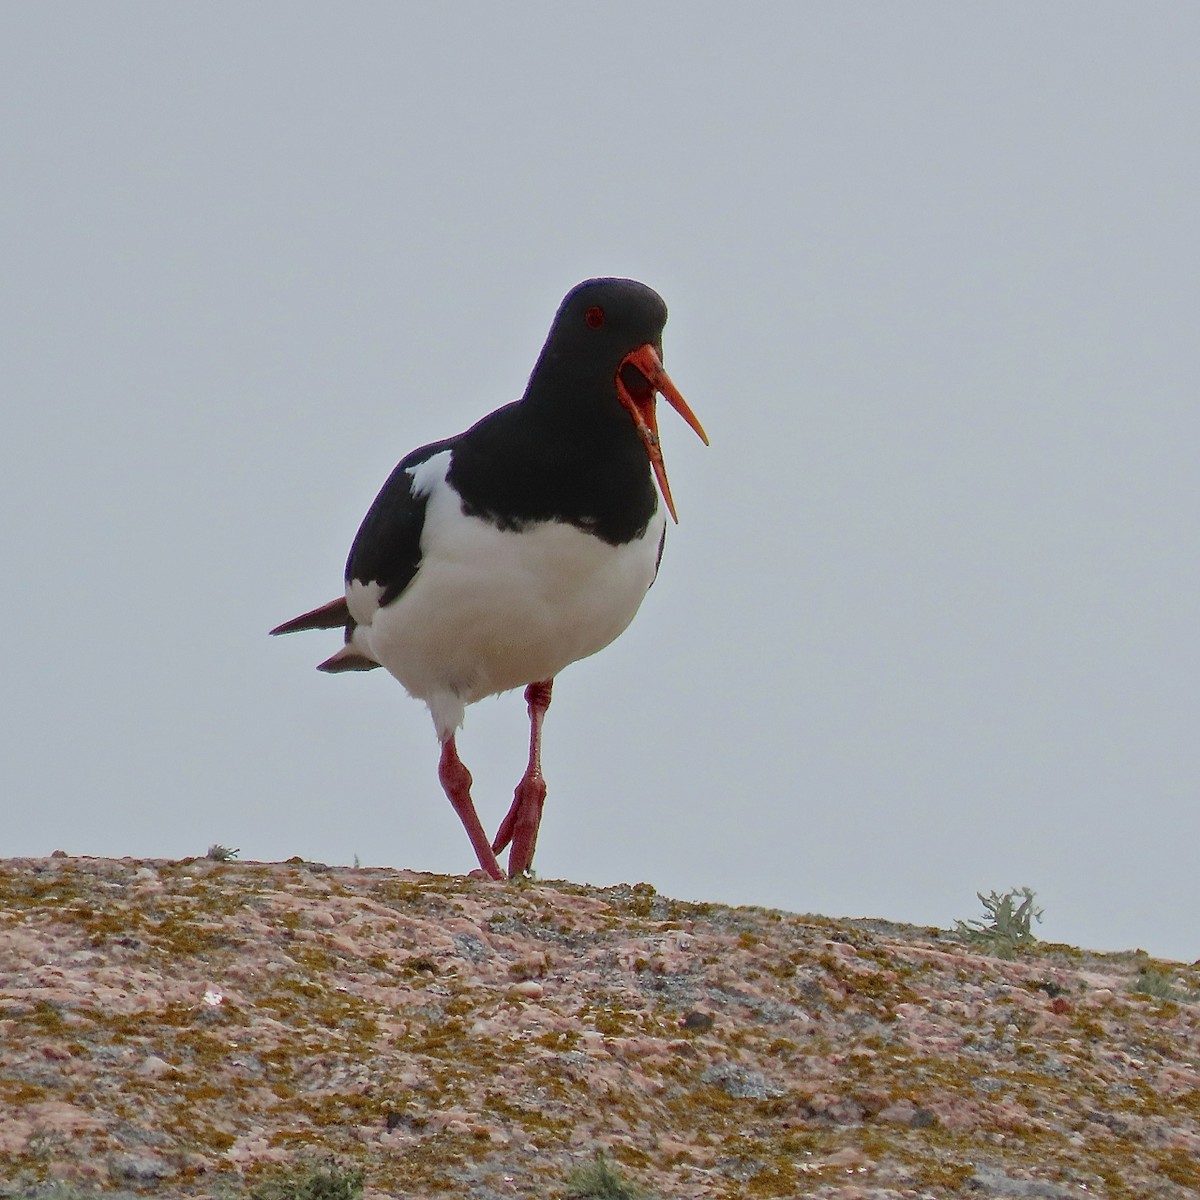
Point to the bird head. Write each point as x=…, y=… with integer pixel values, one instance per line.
x=607, y=336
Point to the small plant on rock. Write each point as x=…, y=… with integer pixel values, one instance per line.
x=1161, y=987
x=600, y=1180
x=1006, y=924
x=321, y=1179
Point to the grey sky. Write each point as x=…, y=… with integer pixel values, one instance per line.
x=929, y=622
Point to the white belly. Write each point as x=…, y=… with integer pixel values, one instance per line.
x=490, y=609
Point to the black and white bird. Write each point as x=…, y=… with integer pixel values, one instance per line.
x=494, y=559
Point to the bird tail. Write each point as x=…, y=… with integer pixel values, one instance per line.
x=347, y=659
x=334, y=615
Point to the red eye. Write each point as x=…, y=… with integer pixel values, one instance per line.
x=594, y=317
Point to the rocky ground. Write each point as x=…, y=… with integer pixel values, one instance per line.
x=174, y=1028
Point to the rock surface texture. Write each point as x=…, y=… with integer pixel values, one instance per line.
x=174, y=1028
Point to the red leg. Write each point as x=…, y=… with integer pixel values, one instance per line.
x=456, y=782
x=520, y=826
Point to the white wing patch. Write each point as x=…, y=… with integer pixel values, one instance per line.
x=362, y=599
x=429, y=474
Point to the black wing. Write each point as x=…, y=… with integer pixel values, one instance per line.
x=386, y=551
x=387, y=547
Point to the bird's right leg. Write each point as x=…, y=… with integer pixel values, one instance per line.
x=456, y=782
x=520, y=825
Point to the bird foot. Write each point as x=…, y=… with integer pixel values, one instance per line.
x=480, y=875
x=520, y=825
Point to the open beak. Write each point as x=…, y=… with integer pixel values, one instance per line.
x=639, y=378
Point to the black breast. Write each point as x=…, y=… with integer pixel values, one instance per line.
x=514, y=468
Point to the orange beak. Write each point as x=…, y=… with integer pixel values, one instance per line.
x=638, y=396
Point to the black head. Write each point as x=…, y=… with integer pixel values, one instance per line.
x=602, y=363
x=602, y=320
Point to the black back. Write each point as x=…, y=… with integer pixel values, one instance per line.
x=566, y=451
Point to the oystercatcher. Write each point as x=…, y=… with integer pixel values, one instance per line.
x=492, y=560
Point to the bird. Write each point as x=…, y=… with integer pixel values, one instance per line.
x=492, y=560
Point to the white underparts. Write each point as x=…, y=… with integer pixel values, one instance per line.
x=490, y=609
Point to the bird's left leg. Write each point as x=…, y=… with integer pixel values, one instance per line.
x=456, y=782
x=520, y=825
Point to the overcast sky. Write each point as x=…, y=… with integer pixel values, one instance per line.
x=929, y=622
